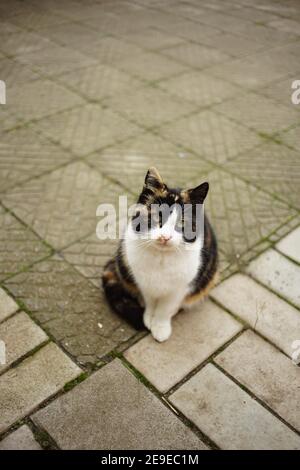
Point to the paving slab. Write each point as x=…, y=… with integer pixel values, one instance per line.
x=278, y=273
x=41, y=98
x=61, y=206
x=99, y=82
x=281, y=91
x=88, y=417
x=264, y=311
x=86, y=129
x=196, y=55
x=7, y=305
x=152, y=39
x=129, y=161
x=290, y=245
x=211, y=135
x=286, y=24
x=268, y=373
x=150, y=107
x=196, y=335
x=20, y=335
x=273, y=167
x=241, y=214
x=14, y=73
x=19, y=246
x=70, y=309
x=199, y=88
x=21, y=439
x=22, y=42
x=291, y=137
x=229, y=416
x=113, y=51
x=33, y=381
x=24, y=154
x=263, y=115
x=150, y=66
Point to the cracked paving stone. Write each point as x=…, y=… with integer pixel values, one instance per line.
x=61, y=206
x=54, y=60
x=19, y=246
x=41, y=98
x=290, y=245
x=128, y=163
x=273, y=168
x=21, y=439
x=7, y=305
x=99, y=82
x=259, y=113
x=150, y=107
x=70, y=309
x=34, y=380
x=229, y=416
x=195, y=55
x=196, y=335
x=200, y=88
x=91, y=412
x=268, y=373
x=279, y=274
x=20, y=335
x=150, y=66
x=211, y=135
x=264, y=311
x=24, y=154
x=241, y=214
x=86, y=129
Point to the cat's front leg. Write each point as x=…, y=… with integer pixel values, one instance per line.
x=149, y=312
x=165, y=309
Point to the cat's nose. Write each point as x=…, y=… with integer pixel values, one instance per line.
x=163, y=239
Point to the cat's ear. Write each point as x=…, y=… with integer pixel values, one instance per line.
x=153, y=179
x=199, y=193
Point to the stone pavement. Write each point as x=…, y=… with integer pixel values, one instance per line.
x=97, y=91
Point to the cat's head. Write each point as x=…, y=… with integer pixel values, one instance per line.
x=168, y=218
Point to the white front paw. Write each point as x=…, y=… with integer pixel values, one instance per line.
x=161, y=331
x=147, y=319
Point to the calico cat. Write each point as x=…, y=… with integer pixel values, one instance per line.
x=166, y=260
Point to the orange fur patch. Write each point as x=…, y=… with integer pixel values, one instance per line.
x=191, y=299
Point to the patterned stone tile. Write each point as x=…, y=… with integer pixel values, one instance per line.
x=277, y=273
x=150, y=107
x=241, y=214
x=200, y=88
x=253, y=14
x=189, y=30
x=54, y=60
x=112, y=51
x=196, y=335
x=229, y=416
x=290, y=245
x=24, y=154
x=262, y=310
x=195, y=55
x=36, y=18
x=22, y=42
x=19, y=246
x=211, y=135
x=7, y=120
x=268, y=373
x=153, y=39
x=287, y=25
x=291, y=137
x=61, y=206
x=41, y=98
x=99, y=82
x=33, y=381
x=20, y=335
x=261, y=113
x=150, y=66
x=86, y=129
x=263, y=33
x=70, y=308
x=21, y=439
x=274, y=168
x=7, y=305
x=281, y=91
x=14, y=73
x=233, y=45
x=107, y=395
x=128, y=163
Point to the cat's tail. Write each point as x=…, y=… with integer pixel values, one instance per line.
x=120, y=299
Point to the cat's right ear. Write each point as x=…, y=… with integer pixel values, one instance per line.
x=153, y=180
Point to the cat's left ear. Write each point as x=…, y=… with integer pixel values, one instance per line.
x=199, y=193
